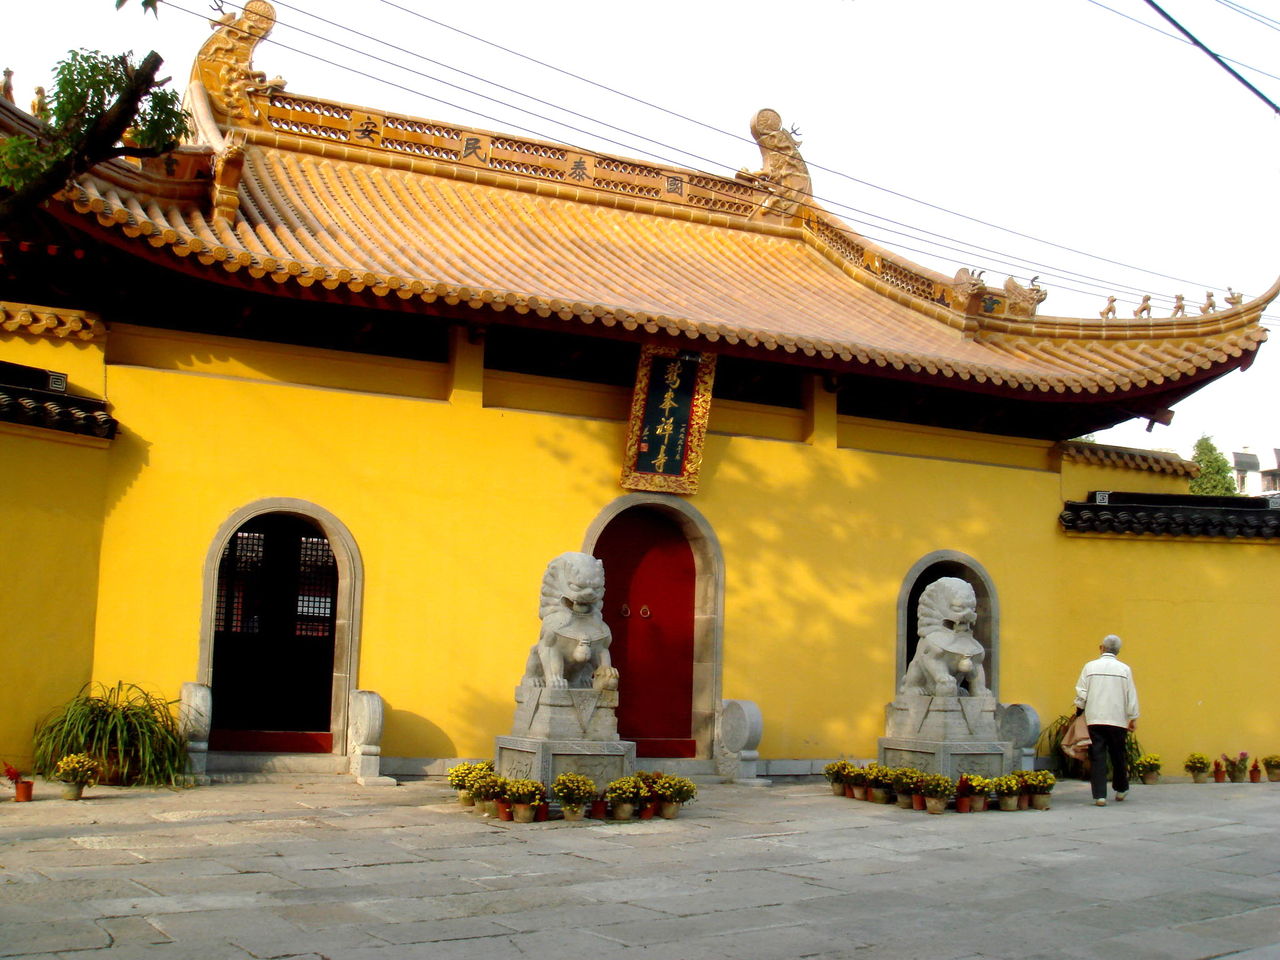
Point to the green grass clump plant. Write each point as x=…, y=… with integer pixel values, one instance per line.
x=130, y=733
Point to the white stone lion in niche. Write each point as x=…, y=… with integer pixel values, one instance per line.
x=947, y=652
x=573, y=645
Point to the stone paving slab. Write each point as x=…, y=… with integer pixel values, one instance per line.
x=326, y=870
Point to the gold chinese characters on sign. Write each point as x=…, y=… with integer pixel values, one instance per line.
x=668, y=422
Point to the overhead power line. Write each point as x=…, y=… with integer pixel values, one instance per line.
x=1213, y=56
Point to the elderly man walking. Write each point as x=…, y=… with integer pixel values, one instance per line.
x=1106, y=694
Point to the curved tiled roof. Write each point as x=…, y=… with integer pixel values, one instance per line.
x=296, y=191
x=1105, y=455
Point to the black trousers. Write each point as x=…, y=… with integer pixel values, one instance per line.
x=1108, y=741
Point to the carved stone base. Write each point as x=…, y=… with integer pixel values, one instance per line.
x=951, y=719
x=991, y=758
x=565, y=714
x=951, y=735
x=544, y=759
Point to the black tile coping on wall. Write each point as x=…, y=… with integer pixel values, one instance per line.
x=38, y=398
x=1173, y=515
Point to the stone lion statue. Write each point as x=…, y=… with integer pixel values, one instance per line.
x=947, y=652
x=573, y=645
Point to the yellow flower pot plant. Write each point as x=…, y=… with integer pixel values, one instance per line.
x=1147, y=767
x=1272, y=765
x=937, y=789
x=1007, y=788
x=1040, y=784
x=524, y=796
x=623, y=794
x=673, y=793
x=76, y=771
x=574, y=792
x=1197, y=764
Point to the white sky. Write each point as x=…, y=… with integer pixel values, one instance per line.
x=1059, y=120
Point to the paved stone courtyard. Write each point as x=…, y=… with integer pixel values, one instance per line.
x=331, y=870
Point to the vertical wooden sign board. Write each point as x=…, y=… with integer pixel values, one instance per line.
x=668, y=423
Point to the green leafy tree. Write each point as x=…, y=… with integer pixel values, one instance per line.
x=1216, y=478
x=96, y=98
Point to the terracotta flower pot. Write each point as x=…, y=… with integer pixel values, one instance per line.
x=1219, y=776
x=1024, y=801
x=504, y=809
x=521, y=812
x=22, y=791
x=648, y=809
x=964, y=804
x=848, y=790
x=978, y=803
x=918, y=801
x=542, y=812
x=935, y=804
x=622, y=811
x=599, y=809
x=1255, y=776
x=669, y=809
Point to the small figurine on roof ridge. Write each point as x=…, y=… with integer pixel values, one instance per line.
x=1024, y=301
x=1208, y=306
x=1109, y=311
x=6, y=90
x=1144, y=308
x=1234, y=299
x=1179, y=307
x=785, y=174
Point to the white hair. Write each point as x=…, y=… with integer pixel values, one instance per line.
x=1110, y=643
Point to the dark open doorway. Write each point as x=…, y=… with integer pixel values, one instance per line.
x=273, y=640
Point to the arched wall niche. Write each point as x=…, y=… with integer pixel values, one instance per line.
x=950, y=563
x=346, y=653
x=708, y=600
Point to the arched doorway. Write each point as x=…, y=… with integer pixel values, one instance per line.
x=280, y=630
x=986, y=630
x=650, y=579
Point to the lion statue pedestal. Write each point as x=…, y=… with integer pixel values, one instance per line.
x=566, y=703
x=944, y=719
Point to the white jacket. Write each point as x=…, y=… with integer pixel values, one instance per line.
x=1106, y=692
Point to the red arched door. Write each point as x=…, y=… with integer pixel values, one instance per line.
x=648, y=604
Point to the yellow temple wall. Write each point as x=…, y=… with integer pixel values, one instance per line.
x=51, y=490
x=456, y=507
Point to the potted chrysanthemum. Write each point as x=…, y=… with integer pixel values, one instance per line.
x=1147, y=767
x=1197, y=764
x=673, y=793
x=1272, y=765
x=937, y=789
x=573, y=791
x=623, y=793
x=76, y=771
x=524, y=795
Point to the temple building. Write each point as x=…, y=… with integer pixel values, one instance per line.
x=306, y=408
